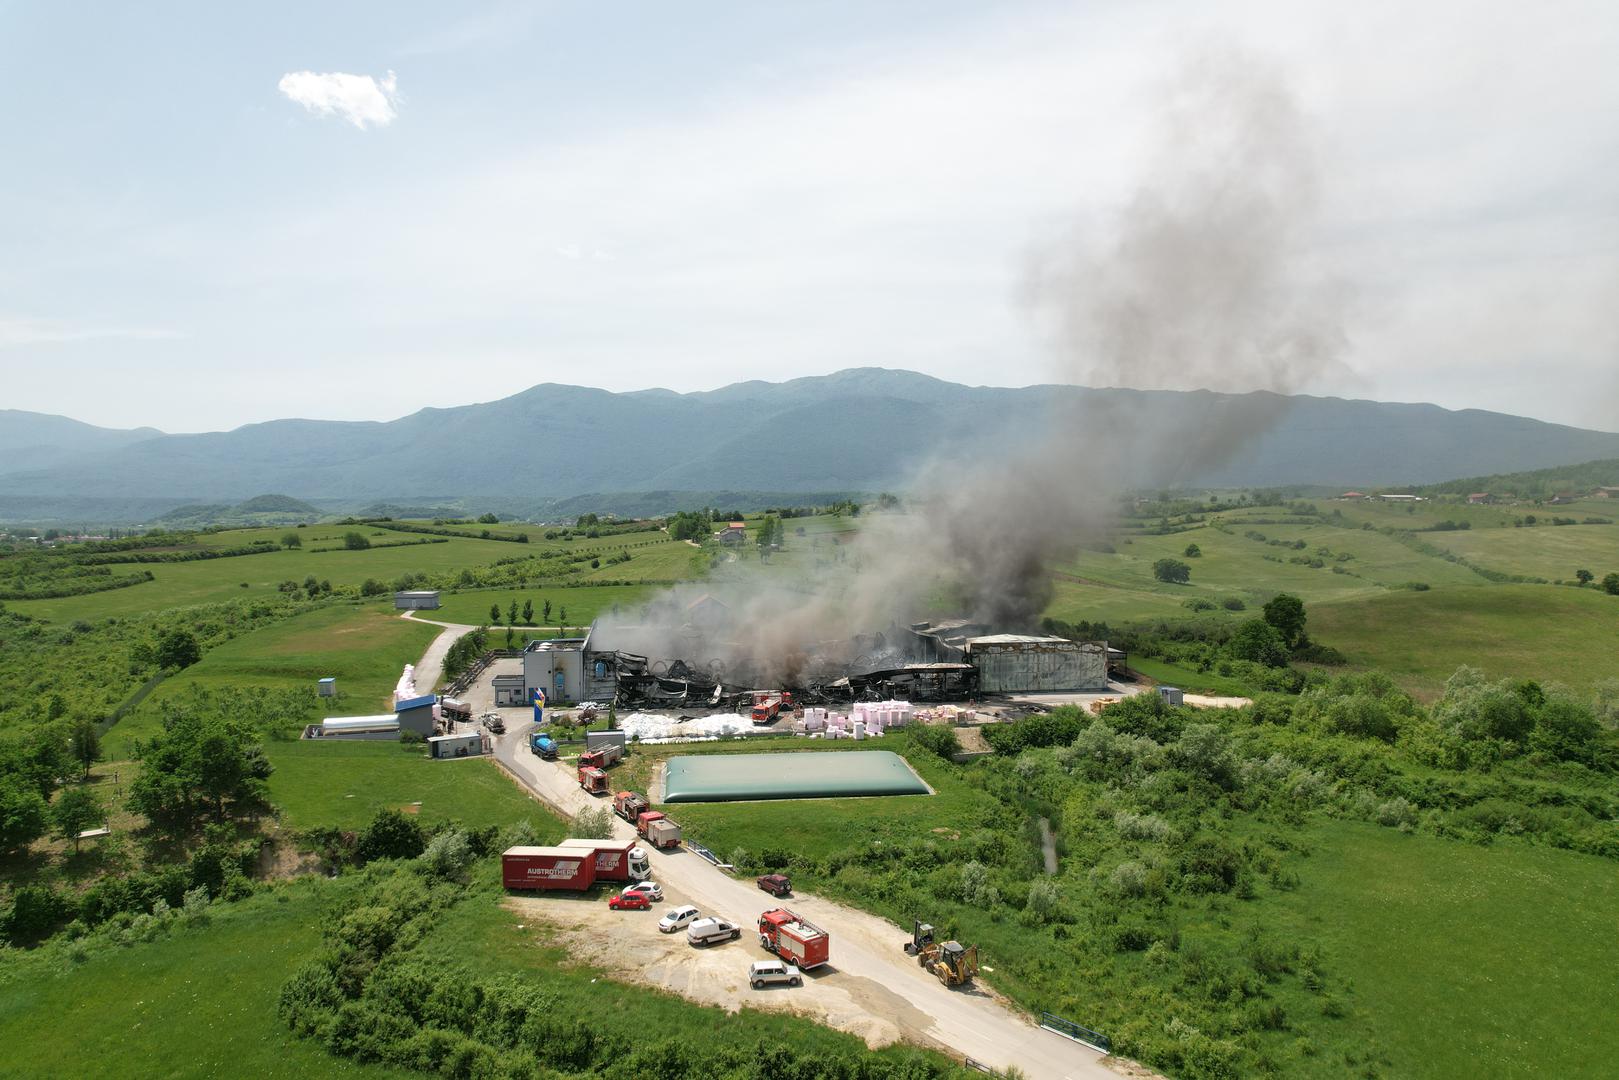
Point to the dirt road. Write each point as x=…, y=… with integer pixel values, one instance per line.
x=871, y=988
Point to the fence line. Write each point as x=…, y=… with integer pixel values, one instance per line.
x=1078, y=1032
x=974, y=1063
x=133, y=700
x=470, y=675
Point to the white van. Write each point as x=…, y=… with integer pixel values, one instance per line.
x=710, y=930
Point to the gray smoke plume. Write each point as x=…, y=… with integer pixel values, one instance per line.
x=1204, y=278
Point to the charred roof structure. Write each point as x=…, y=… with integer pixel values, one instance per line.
x=950, y=660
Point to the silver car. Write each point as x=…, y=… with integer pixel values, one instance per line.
x=763, y=973
x=679, y=917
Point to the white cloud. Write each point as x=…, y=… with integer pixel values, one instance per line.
x=359, y=99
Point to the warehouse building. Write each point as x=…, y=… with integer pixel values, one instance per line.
x=416, y=600
x=567, y=669
x=1026, y=664
x=416, y=714
x=510, y=690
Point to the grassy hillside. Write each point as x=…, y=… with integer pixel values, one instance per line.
x=214, y=580
x=1549, y=632
x=1462, y=955
x=198, y=1003
x=1553, y=553
x=364, y=648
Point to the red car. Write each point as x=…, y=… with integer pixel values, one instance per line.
x=776, y=884
x=629, y=902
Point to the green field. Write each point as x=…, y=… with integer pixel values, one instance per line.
x=199, y=1003
x=344, y=783
x=214, y=580
x=1193, y=682
x=364, y=648
x=839, y=823
x=1548, y=632
x=1466, y=960
x=1550, y=552
x=583, y=603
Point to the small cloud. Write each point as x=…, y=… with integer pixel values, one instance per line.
x=570, y=251
x=359, y=99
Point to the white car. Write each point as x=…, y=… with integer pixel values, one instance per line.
x=708, y=931
x=679, y=917
x=650, y=889
x=762, y=973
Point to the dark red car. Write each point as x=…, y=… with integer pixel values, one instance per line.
x=776, y=884
x=629, y=902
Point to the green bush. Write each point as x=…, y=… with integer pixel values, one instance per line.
x=937, y=739
x=391, y=835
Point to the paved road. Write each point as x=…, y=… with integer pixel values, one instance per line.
x=430, y=669
x=864, y=947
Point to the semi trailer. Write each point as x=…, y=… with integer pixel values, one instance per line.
x=547, y=868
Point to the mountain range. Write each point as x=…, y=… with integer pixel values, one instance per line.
x=860, y=430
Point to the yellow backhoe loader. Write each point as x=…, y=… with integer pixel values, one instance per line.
x=953, y=963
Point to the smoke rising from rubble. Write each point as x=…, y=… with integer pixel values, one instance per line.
x=1204, y=278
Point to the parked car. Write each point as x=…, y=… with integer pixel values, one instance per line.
x=494, y=723
x=629, y=901
x=763, y=973
x=776, y=884
x=650, y=889
x=679, y=917
x=708, y=931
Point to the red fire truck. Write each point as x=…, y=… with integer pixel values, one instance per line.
x=793, y=938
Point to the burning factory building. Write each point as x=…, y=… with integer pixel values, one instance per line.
x=715, y=666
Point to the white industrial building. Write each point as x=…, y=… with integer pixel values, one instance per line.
x=1025, y=663
x=416, y=600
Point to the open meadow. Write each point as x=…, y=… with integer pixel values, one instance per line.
x=342, y=785
x=581, y=603
x=1414, y=604
x=363, y=647
x=1548, y=632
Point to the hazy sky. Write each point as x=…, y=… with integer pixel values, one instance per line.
x=212, y=214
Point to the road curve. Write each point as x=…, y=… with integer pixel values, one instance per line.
x=969, y=1023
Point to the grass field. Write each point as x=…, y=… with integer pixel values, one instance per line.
x=216, y=580
x=200, y=1003
x=1466, y=960
x=581, y=602
x=364, y=648
x=1193, y=682
x=343, y=784
x=1550, y=552
x=1548, y=632
x=838, y=823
